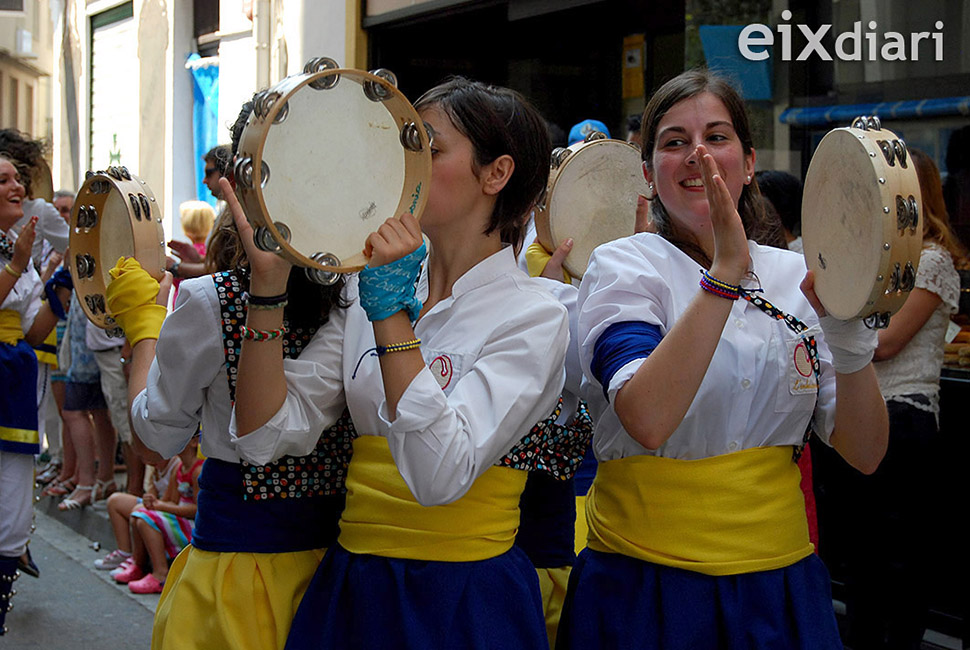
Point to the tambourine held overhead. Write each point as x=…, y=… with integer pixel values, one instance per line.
x=591, y=197
x=861, y=226
x=324, y=159
x=114, y=215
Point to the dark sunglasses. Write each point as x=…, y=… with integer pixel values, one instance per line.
x=209, y=171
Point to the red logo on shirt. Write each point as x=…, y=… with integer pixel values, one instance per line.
x=440, y=367
x=803, y=362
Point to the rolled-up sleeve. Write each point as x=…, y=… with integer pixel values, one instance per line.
x=314, y=400
x=188, y=355
x=443, y=443
x=620, y=285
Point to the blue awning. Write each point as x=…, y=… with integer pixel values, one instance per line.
x=844, y=113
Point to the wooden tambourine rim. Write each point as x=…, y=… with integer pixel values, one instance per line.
x=895, y=246
x=546, y=232
x=417, y=163
x=148, y=237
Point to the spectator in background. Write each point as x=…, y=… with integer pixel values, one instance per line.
x=582, y=129
x=197, y=218
x=783, y=194
x=191, y=262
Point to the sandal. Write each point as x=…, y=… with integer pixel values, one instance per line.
x=73, y=502
x=48, y=473
x=59, y=488
x=103, y=490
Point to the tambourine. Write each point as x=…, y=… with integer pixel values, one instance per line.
x=591, y=197
x=324, y=159
x=861, y=225
x=114, y=215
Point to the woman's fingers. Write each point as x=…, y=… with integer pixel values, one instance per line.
x=393, y=240
x=164, y=288
x=270, y=266
x=808, y=290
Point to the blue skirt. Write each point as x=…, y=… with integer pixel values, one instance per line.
x=367, y=601
x=615, y=601
x=18, y=403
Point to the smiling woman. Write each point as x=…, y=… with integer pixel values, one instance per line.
x=23, y=322
x=696, y=503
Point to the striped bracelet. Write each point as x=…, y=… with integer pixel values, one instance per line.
x=413, y=344
x=718, y=287
x=262, y=335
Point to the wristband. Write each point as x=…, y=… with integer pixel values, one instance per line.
x=131, y=302
x=388, y=289
x=262, y=335
x=267, y=302
x=851, y=342
x=413, y=344
x=718, y=287
x=12, y=271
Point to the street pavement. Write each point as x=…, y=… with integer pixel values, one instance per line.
x=73, y=605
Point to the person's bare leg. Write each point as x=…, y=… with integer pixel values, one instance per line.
x=154, y=546
x=120, y=506
x=135, y=469
x=69, y=457
x=83, y=437
x=105, y=444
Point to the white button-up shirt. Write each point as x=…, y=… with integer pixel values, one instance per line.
x=494, y=353
x=751, y=395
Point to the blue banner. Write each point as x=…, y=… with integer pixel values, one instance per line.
x=205, y=115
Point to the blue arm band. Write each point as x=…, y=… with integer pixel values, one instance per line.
x=620, y=344
x=61, y=278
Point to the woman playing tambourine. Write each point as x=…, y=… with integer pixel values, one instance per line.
x=715, y=365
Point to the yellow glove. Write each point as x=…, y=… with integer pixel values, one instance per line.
x=131, y=298
x=536, y=258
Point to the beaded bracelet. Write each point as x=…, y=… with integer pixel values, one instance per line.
x=413, y=344
x=12, y=271
x=262, y=335
x=267, y=301
x=718, y=287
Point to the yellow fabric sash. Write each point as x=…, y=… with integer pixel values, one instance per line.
x=737, y=513
x=11, y=329
x=383, y=518
x=45, y=355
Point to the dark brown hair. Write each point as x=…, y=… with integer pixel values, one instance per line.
x=685, y=86
x=499, y=121
x=24, y=153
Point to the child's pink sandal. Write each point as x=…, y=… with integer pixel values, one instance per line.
x=147, y=585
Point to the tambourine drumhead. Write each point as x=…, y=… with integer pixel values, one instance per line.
x=42, y=182
x=861, y=225
x=592, y=198
x=115, y=215
x=333, y=147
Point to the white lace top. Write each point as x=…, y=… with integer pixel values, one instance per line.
x=916, y=369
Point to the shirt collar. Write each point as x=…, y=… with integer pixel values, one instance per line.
x=490, y=268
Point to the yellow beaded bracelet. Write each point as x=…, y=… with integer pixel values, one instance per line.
x=398, y=347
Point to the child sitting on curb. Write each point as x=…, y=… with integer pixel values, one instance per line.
x=160, y=529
